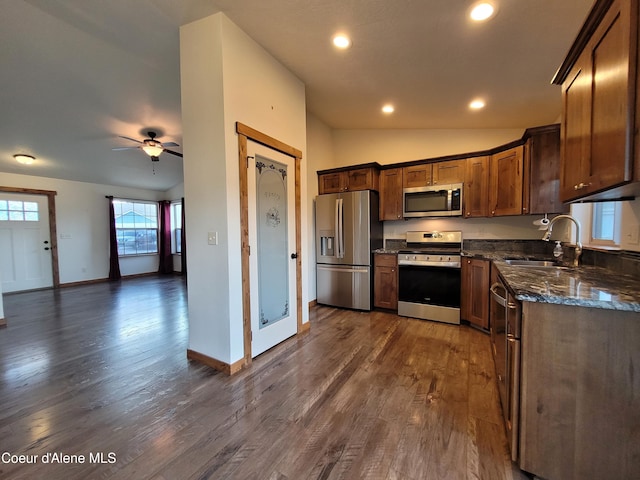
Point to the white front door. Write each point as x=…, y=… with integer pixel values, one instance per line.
x=272, y=242
x=25, y=246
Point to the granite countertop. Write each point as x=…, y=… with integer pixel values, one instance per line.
x=386, y=251
x=584, y=286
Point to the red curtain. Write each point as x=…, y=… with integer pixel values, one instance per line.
x=164, y=245
x=114, y=261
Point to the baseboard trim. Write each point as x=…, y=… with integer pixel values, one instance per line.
x=124, y=277
x=304, y=328
x=313, y=303
x=3, y=322
x=214, y=363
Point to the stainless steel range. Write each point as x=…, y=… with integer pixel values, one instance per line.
x=429, y=276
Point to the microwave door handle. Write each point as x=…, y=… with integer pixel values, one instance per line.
x=449, y=199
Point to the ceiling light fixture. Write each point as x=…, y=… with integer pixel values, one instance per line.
x=388, y=109
x=477, y=104
x=153, y=149
x=341, y=41
x=24, y=159
x=482, y=11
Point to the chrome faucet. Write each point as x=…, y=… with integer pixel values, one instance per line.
x=547, y=235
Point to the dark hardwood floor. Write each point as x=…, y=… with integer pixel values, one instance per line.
x=102, y=370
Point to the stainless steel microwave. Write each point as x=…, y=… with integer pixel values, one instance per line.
x=433, y=201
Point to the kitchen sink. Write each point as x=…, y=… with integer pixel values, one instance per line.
x=534, y=263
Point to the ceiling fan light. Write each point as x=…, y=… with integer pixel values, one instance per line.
x=24, y=158
x=152, y=150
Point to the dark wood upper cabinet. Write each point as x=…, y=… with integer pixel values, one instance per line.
x=435, y=173
x=476, y=187
x=519, y=178
x=506, y=170
x=391, y=194
x=451, y=171
x=600, y=146
x=541, y=184
x=348, y=179
x=416, y=175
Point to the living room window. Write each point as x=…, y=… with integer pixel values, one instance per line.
x=136, y=227
x=176, y=227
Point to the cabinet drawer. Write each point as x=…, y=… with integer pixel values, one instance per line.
x=385, y=260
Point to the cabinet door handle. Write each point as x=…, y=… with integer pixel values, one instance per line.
x=581, y=185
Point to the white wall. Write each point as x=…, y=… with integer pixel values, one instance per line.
x=352, y=147
x=320, y=156
x=82, y=221
x=227, y=78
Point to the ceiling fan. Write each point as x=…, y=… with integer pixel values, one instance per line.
x=151, y=146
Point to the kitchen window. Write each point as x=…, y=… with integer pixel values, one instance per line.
x=605, y=224
x=136, y=227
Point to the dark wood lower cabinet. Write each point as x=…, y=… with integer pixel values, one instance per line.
x=474, y=301
x=385, y=281
x=580, y=392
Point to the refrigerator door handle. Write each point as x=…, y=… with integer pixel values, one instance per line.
x=340, y=228
x=336, y=216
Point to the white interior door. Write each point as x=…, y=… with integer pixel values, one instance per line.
x=272, y=241
x=25, y=246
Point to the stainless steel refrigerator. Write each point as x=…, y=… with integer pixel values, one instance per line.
x=347, y=232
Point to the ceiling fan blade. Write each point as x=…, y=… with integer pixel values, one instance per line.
x=170, y=144
x=129, y=138
x=177, y=154
x=125, y=148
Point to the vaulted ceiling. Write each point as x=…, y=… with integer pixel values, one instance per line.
x=76, y=74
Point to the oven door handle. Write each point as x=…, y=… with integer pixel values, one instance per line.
x=502, y=301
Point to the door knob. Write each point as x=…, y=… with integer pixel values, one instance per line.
x=294, y=255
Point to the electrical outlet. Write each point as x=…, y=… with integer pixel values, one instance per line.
x=212, y=238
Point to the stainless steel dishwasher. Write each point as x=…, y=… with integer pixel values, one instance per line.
x=506, y=324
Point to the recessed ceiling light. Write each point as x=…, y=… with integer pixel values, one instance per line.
x=477, y=104
x=341, y=41
x=24, y=158
x=388, y=109
x=482, y=11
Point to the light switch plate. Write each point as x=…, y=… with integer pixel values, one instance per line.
x=212, y=238
x=633, y=234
